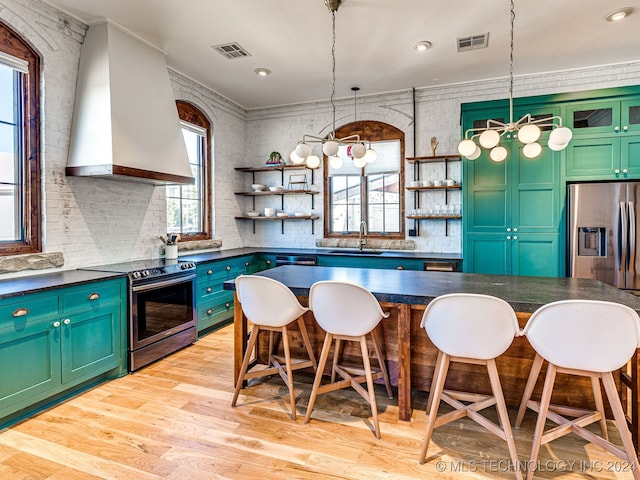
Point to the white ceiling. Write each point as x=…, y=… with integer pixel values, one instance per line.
x=374, y=40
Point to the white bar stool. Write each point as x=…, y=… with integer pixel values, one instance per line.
x=272, y=306
x=587, y=338
x=473, y=329
x=346, y=311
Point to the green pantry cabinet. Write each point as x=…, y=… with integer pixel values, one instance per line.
x=514, y=211
x=55, y=341
x=512, y=221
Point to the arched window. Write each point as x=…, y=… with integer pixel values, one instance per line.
x=373, y=194
x=189, y=206
x=20, y=209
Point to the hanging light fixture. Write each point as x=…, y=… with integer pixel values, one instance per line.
x=527, y=129
x=304, y=152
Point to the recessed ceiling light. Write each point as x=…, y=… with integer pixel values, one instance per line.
x=262, y=72
x=619, y=14
x=422, y=46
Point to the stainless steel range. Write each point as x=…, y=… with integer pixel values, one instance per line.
x=162, y=314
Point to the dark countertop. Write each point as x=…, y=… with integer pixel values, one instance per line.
x=524, y=294
x=238, y=252
x=34, y=283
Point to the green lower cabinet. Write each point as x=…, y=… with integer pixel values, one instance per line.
x=533, y=254
x=30, y=359
x=211, y=314
x=55, y=342
x=90, y=343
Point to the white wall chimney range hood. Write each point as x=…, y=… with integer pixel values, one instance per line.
x=125, y=121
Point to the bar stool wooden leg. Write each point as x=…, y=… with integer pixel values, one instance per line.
x=434, y=379
x=271, y=347
x=437, y=385
x=337, y=353
x=597, y=396
x=621, y=422
x=328, y=339
x=245, y=363
x=307, y=342
x=542, y=418
x=289, y=377
x=496, y=387
x=372, y=394
x=385, y=374
x=528, y=389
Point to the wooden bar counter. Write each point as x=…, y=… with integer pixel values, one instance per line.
x=410, y=354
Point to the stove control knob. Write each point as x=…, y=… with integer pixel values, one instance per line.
x=135, y=274
x=145, y=273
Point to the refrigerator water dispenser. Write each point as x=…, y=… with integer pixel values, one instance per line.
x=592, y=241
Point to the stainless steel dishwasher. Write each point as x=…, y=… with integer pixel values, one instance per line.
x=296, y=260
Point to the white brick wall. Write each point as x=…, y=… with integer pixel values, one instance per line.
x=93, y=221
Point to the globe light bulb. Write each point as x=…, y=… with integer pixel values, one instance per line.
x=358, y=150
x=489, y=138
x=529, y=133
x=498, y=154
x=560, y=136
x=359, y=162
x=555, y=147
x=313, y=161
x=303, y=150
x=532, y=150
x=474, y=155
x=330, y=148
x=467, y=147
x=371, y=155
x=335, y=162
x=295, y=159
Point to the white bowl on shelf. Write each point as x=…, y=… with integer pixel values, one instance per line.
x=277, y=188
x=282, y=214
x=300, y=214
x=258, y=187
x=253, y=214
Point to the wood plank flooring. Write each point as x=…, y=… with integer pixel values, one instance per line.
x=173, y=420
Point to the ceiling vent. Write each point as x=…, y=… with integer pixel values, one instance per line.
x=474, y=42
x=231, y=50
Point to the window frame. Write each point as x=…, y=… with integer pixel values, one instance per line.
x=13, y=44
x=189, y=113
x=369, y=131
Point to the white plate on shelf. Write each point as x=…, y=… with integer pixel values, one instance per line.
x=300, y=214
x=282, y=214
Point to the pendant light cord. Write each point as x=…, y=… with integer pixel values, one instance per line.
x=333, y=72
x=513, y=17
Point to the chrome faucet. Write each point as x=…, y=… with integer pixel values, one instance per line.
x=362, y=237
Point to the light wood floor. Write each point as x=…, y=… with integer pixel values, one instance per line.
x=173, y=420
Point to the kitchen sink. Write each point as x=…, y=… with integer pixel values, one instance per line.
x=357, y=252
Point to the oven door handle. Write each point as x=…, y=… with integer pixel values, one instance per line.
x=164, y=283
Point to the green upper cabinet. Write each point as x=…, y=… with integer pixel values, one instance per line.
x=513, y=224
x=606, y=144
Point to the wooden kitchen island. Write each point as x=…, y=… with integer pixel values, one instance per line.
x=410, y=354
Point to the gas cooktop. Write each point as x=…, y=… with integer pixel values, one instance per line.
x=140, y=269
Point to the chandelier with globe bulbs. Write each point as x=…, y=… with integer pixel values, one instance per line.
x=304, y=152
x=527, y=129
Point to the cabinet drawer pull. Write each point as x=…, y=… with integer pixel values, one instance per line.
x=56, y=324
x=228, y=268
x=616, y=129
x=21, y=312
x=616, y=171
x=227, y=305
x=209, y=272
x=93, y=296
x=208, y=289
x=209, y=312
x=399, y=267
x=268, y=262
x=66, y=321
x=246, y=264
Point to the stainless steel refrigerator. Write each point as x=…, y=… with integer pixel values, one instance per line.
x=602, y=235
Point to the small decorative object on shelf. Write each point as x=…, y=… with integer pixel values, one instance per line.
x=434, y=145
x=298, y=182
x=275, y=159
